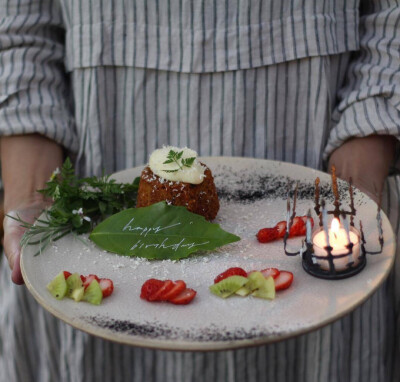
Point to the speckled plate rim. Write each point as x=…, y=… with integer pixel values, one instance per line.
x=180, y=345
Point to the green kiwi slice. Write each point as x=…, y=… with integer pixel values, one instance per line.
x=228, y=286
x=243, y=291
x=75, y=287
x=58, y=286
x=256, y=281
x=266, y=290
x=93, y=293
x=77, y=294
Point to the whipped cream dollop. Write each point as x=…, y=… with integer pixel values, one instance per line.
x=173, y=171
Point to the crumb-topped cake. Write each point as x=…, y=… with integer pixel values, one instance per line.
x=176, y=176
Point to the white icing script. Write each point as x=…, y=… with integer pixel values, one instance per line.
x=144, y=231
x=165, y=244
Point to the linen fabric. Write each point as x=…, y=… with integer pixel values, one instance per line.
x=113, y=80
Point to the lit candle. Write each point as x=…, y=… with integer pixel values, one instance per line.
x=338, y=239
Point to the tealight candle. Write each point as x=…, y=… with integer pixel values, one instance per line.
x=338, y=240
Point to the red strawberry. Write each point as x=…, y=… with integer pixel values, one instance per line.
x=150, y=287
x=281, y=228
x=235, y=271
x=177, y=287
x=89, y=279
x=274, y=272
x=67, y=274
x=83, y=278
x=184, y=297
x=298, y=228
x=265, y=235
x=107, y=286
x=161, y=292
x=284, y=280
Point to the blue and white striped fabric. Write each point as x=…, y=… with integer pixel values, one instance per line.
x=288, y=80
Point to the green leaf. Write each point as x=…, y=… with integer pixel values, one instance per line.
x=103, y=207
x=188, y=162
x=160, y=231
x=76, y=221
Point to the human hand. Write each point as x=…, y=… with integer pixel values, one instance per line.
x=13, y=232
x=366, y=160
x=27, y=163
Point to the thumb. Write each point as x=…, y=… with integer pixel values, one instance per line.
x=16, y=275
x=12, y=250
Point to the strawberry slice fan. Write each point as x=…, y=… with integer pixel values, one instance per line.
x=334, y=252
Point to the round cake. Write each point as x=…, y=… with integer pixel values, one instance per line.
x=175, y=175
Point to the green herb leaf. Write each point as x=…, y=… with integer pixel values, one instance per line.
x=160, y=231
x=188, y=161
x=174, y=157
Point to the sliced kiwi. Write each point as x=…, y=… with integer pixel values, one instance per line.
x=243, y=291
x=77, y=294
x=58, y=286
x=228, y=286
x=266, y=290
x=93, y=293
x=75, y=287
x=256, y=280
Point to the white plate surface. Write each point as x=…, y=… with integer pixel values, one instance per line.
x=252, y=196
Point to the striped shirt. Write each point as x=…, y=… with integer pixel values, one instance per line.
x=288, y=80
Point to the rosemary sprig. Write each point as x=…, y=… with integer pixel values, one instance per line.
x=176, y=157
x=78, y=205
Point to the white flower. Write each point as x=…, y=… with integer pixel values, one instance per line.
x=55, y=173
x=80, y=213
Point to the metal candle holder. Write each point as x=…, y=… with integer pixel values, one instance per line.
x=311, y=261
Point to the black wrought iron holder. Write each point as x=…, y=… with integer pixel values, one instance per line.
x=312, y=262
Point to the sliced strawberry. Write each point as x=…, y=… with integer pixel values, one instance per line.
x=177, y=287
x=284, y=280
x=298, y=228
x=235, y=271
x=67, y=274
x=107, y=286
x=83, y=278
x=281, y=228
x=89, y=279
x=160, y=293
x=265, y=235
x=184, y=297
x=274, y=272
x=150, y=287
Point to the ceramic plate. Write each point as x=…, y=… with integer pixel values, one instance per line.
x=252, y=195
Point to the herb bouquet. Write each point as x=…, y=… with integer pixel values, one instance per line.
x=78, y=205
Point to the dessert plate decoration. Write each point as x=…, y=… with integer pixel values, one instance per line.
x=253, y=194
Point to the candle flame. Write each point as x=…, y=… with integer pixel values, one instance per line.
x=335, y=225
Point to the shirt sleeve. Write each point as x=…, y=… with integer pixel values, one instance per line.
x=370, y=99
x=34, y=87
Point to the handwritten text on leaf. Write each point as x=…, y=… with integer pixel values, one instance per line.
x=160, y=231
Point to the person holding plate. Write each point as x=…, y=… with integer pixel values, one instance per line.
x=106, y=83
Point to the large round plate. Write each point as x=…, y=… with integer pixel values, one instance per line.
x=252, y=195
